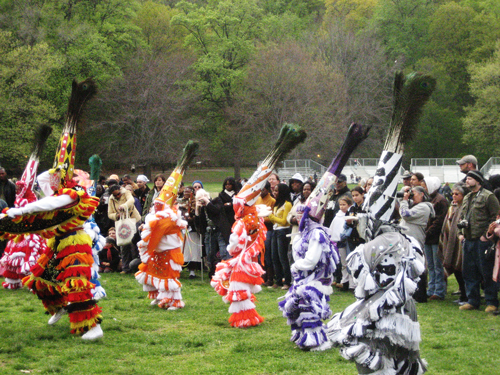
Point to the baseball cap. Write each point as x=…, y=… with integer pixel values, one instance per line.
x=467, y=159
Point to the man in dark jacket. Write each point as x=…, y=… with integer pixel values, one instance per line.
x=437, y=284
x=480, y=208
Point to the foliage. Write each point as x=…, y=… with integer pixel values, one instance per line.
x=482, y=122
x=24, y=92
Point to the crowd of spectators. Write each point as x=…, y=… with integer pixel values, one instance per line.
x=458, y=227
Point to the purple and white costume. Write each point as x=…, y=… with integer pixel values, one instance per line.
x=306, y=303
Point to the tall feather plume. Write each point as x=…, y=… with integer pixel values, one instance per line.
x=316, y=203
x=410, y=95
x=356, y=134
x=80, y=94
x=42, y=133
x=188, y=153
x=291, y=136
x=95, y=164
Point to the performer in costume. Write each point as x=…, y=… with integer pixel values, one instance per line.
x=239, y=278
x=315, y=259
x=61, y=276
x=161, y=244
x=23, y=252
x=380, y=331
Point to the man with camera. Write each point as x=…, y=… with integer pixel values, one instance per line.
x=480, y=208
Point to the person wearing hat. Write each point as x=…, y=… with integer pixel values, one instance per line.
x=467, y=163
x=332, y=206
x=406, y=177
x=295, y=185
x=142, y=189
x=480, y=208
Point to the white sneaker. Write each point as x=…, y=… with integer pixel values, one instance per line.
x=94, y=333
x=172, y=308
x=154, y=302
x=58, y=315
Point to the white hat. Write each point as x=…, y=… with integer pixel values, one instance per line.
x=297, y=176
x=142, y=178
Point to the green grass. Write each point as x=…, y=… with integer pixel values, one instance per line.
x=143, y=339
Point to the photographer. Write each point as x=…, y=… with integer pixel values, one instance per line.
x=480, y=208
x=415, y=219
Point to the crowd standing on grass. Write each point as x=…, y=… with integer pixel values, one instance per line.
x=457, y=226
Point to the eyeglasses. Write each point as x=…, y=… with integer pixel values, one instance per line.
x=196, y=187
x=455, y=193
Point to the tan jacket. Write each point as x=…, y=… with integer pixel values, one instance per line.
x=127, y=200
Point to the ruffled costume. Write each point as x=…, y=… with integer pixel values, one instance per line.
x=161, y=257
x=380, y=332
x=306, y=303
x=239, y=278
x=61, y=276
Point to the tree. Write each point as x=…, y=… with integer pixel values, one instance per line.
x=222, y=34
x=143, y=114
x=482, y=120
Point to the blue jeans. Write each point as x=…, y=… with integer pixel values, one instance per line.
x=268, y=255
x=280, y=256
x=213, y=242
x=476, y=269
x=437, y=285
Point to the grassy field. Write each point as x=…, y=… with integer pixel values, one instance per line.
x=143, y=339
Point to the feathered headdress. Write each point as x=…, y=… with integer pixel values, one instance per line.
x=316, y=203
x=410, y=95
x=290, y=137
x=64, y=161
x=171, y=187
x=28, y=178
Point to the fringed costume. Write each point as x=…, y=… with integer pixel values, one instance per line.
x=22, y=252
x=61, y=276
x=315, y=259
x=161, y=245
x=239, y=278
x=306, y=303
x=380, y=332
x=161, y=257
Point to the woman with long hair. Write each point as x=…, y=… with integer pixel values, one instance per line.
x=280, y=241
x=450, y=248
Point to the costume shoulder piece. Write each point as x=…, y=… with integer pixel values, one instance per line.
x=50, y=223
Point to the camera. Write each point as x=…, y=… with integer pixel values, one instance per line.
x=401, y=194
x=463, y=224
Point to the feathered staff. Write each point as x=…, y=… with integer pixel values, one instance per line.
x=239, y=278
x=290, y=137
x=316, y=203
x=410, y=95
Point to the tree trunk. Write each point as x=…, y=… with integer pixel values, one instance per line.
x=237, y=168
x=147, y=171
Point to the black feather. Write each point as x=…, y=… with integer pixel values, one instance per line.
x=188, y=153
x=81, y=93
x=356, y=134
x=291, y=136
x=95, y=164
x=41, y=135
x=410, y=95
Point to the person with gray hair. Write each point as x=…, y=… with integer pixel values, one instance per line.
x=415, y=219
